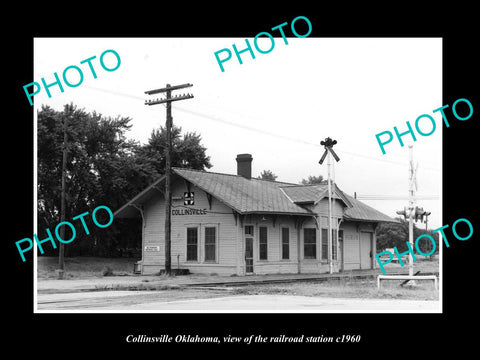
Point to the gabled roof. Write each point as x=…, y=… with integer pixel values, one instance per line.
x=247, y=196
x=363, y=212
x=243, y=195
x=301, y=194
x=312, y=194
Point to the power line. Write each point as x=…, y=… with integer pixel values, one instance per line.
x=269, y=133
x=382, y=160
x=396, y=197
x=265, y=132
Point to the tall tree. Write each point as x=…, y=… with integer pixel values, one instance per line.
x=187, y=150
x=103, y=168
x=95, y=173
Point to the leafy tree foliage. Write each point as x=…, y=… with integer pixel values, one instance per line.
x=103, y=168
x=187, y=150
x=390, y=235
x=267, y=175
x=312, y=180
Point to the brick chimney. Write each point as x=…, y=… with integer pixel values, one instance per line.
x=244, y=165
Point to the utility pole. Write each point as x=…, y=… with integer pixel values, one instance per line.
x=61, y=250
x=328, y=144
x=168, y=149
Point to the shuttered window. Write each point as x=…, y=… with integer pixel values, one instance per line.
x=309, y=243
x=263, y=243
x=340, y=242
x=192, y=244
x=325, y=244
x=285, y=243
x=210, y=243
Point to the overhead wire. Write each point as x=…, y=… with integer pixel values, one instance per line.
x=260, y=131
x=339, y=150
x=396, y=197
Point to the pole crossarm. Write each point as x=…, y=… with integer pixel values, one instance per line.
x=168, y=88
x=174, y=98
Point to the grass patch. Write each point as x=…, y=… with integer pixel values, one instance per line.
x=344, y=288
x=138, y=287
x=424, y=265
x=85, y=267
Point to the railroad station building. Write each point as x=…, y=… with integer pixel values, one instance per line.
x=235, y=224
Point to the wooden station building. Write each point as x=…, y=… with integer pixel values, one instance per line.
x=235, y=224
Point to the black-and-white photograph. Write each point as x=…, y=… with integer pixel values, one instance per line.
x=280, y=173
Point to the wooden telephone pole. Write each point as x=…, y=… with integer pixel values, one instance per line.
x=61, y=250
x=168, y=149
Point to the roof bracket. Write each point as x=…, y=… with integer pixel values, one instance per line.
x=188, y=185
x=159, y=189
x=209, y=198
x=140, y=208
x=299, y=222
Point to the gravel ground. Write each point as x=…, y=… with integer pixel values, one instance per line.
x=347, y=289
x=85, y=275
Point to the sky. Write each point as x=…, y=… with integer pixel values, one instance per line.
x=278, y=106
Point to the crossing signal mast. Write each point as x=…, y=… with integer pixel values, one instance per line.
x=418, y=214
x=413, y=212
x=328, y=144
x=411, y=207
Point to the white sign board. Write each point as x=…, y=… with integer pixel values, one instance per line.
x=152, y=248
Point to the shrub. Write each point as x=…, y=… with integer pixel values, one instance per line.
x=107, y=271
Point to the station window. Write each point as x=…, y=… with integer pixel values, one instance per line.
x=249, y=230
x=192, y=244
x=310, y=243
x=325, y=244
x=285, y=243
x=263, y=241
x=210, y=243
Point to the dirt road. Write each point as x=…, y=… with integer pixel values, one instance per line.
x=117, y=300
x=223, y=300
